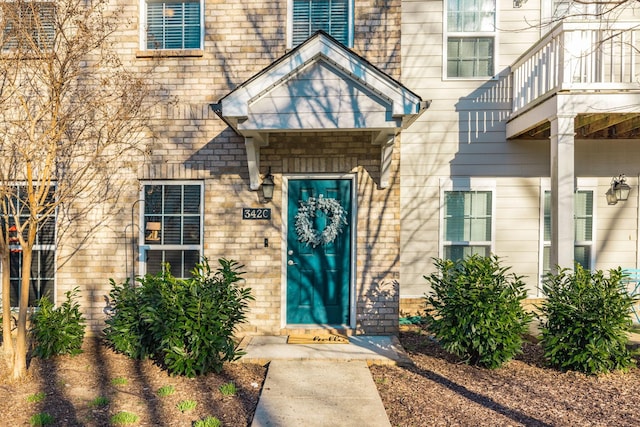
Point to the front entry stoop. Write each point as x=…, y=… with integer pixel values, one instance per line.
x=373, y=349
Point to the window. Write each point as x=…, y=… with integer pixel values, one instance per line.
x=44, y=255
x=173, y=25
x=331, y=16
x=172, y=227
x=467, y=224
x=574, y=9
x=470, y=38
x=27, y=26
x=583, y=230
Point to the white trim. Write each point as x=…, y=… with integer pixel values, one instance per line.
x=284, y=236
x=142, y=31
x=289, y=26
x=467, y=184
x=39, y=247
x=142, y=247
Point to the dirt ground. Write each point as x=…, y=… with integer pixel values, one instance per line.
x=440, y=391
x=72, y=384
x=437, y=391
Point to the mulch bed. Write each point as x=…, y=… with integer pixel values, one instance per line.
x=439, y=390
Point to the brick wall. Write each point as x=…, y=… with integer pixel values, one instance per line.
x=187, y=141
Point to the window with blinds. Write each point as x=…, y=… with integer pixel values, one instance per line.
x=172, y=227
x=44, y=251
x=470, y=38
x=467, y=224
x=27, y=26
x=173, y=25
x=331, y=16
x=583, y=208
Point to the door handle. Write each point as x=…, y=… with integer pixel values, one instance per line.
x=290, y=262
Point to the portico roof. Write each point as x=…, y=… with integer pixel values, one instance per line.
x=319, y=86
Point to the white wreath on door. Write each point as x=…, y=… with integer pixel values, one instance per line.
x=304, y=220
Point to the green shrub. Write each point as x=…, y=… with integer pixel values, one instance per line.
x=584, y=321
x=195, y=320
x=186, y=325
x=126, y=331
x=58, y=330
x=475, y=310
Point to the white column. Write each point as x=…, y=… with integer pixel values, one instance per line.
x=562, y=192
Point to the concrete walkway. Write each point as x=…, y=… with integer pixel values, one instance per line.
x=317, y=385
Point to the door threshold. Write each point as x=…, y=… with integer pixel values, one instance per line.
x=317, y=329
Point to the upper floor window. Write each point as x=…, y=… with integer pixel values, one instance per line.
x=172, y=227
x=470, y=38
x=173, y=24
x=575, y=9
x=27, y=26
x=584, y=230
x=331, y=16
x=44, y=253
x=467, y=224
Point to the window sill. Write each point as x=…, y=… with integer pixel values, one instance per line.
x=170, y=53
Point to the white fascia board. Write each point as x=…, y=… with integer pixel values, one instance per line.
x=404, y=102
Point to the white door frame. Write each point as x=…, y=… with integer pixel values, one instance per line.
x=283, y=244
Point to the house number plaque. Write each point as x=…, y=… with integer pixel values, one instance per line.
x=256, y=213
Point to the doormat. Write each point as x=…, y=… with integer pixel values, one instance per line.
x=318, y=339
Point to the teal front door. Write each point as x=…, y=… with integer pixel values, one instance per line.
x=318, y=251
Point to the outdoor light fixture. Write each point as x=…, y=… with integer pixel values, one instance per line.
x=268, y=186
x=621, y=188
x=611, y=196
x=619, y=191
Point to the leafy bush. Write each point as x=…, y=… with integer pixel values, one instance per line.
x=475, y=310
x=126, y=331
x=58, y=330
x=187, y=325
x=584, y=321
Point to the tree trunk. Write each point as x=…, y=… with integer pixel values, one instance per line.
x=7, y=340
x=20, y=355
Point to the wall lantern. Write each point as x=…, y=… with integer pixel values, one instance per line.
x=268, y=186
x=619, y=191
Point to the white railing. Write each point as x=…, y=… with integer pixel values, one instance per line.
x=578, y=56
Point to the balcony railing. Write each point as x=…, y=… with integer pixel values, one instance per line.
x=578, y=56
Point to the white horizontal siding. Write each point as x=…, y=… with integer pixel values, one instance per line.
x=463, y=134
